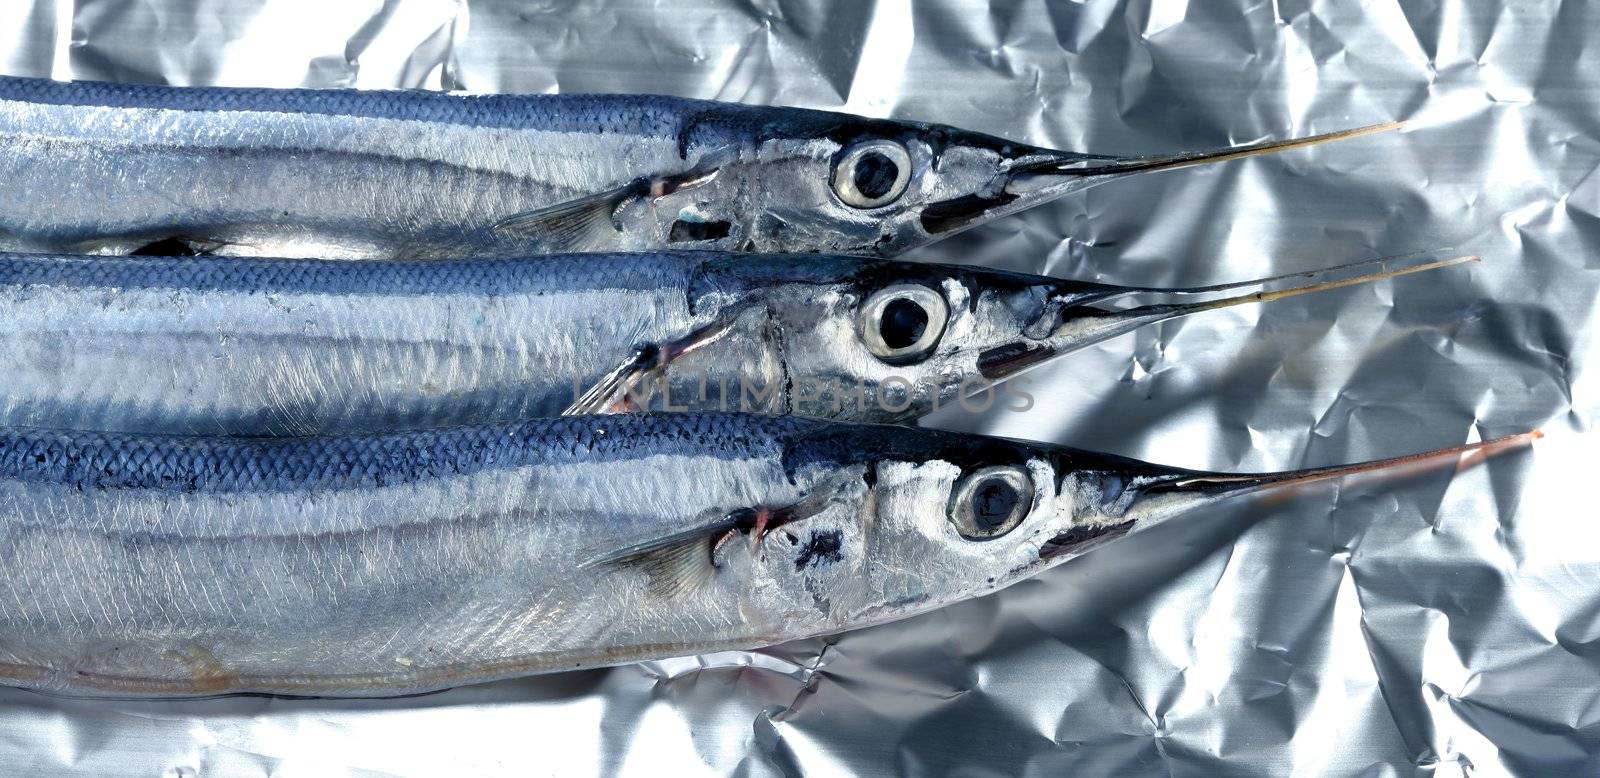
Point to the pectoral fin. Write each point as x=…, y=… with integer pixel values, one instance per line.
x=611, y=393
x=584, y=224
x=685, y=562
x=676, y=563
x=615, y=391
x=590, y=223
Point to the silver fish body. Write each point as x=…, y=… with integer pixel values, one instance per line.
x=107, y=168
x=249, y=346
x=372, y=565
x=261, y=347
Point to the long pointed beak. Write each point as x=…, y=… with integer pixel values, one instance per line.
x=1049, y=173
x=1067, y=328
x=1213, y=486
x=1162, y=497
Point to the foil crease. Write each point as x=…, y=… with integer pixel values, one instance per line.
x=1448, y=625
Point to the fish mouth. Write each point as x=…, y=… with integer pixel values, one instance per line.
x=954, y=215
x=1077, y=538
x=1215, y=485
x=1186, y=490
x=1073, y=319
x=1058, y=167
x=1005, y=361
x=1047, y=174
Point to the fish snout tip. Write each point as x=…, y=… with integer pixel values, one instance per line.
x=1397, y=125
x=1515, y=440
x=1510, y=441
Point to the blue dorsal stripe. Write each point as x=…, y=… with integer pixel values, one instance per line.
x=690, y=122
x=650, y=115
x=517, y=275
x=252, y=274
x=91, y=461
x=195, y=465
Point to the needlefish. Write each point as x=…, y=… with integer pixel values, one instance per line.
x=406, y=562
x=118, y=169
x=251, y=346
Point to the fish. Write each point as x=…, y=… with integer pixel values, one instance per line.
x=405, y=562
x=275, y=347
x=101, y=168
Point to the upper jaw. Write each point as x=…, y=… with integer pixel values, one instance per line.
x=1026, y=182
x=1048, y=332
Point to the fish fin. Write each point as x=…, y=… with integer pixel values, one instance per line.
x=614, y=391
x=680, y=568
x=684, y=562
x=586, y=222
x=679, y=563
x=610, y=394
x=574, y=225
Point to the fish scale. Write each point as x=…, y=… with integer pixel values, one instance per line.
x=560, y=112
x=284, y=275
x=123, y=169
x=403, y=562
x=228, y=464
x=263, y=347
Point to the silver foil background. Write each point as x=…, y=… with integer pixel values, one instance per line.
x=1443, y=626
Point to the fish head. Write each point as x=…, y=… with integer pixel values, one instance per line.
x=855, y=339
x=910, y=520
x=778, y=180
x=940, y=517
x=896, y=521
x=879, y=188
x=882, y=340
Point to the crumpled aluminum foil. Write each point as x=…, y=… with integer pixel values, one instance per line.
x=1444, y=625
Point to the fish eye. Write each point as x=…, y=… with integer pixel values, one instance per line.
x=990, y=502
x=902, y=323
x=872, y=174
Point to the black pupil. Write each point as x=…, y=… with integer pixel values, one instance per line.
x=993, y=503
x=903, y=323
x=875, y=175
